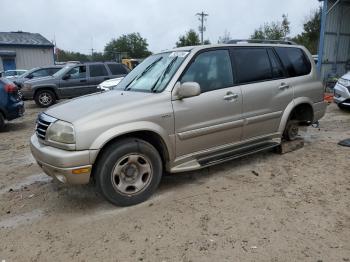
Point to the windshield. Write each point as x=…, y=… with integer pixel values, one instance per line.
x=62, y=71
x=29, y=72
x=154, y=73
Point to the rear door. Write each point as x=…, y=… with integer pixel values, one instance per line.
x=212, y=119
x=76, y=82
x=265, y=89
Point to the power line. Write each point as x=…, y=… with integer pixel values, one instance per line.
x=202, y=18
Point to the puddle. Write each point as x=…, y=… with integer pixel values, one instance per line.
x=21, y=219
x=27, y=181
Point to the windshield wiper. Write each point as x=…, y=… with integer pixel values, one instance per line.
x=143, y=73
x=165, y=72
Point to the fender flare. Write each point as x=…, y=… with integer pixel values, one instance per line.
x=288, y=110
x=128, y=128
x=49, y=87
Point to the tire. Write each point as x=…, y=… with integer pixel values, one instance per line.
x=128, y=172
x=45, y=98
x=342, y=107
x=2, y=122
x=291, y=131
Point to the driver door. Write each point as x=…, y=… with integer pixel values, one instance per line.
x=213, y=118
x=76, y=82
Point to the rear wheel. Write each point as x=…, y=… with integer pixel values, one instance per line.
x=128, y=172
x=291, y=131
x=45, y=98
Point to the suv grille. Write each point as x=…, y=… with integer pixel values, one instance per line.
x=42, y=124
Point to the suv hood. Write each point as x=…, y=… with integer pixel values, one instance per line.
x=98, y=104
x=39, y=80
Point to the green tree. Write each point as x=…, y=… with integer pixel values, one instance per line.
x=311, y=34
x=189, y=39
x=131, y=45
x=99, y=57
x=273, y=31
x=64, y=56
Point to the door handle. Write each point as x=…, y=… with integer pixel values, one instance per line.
x=230, y=96
x=106, y=78
x=83, y=80
x=283, y=86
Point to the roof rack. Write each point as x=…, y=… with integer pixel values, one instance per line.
x=260, y=41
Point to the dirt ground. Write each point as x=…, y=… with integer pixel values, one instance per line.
x=265, y=207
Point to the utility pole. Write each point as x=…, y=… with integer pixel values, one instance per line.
x=202, y=18
x=92, y=49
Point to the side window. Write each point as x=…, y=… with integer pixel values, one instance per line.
x=77, y=72
x=98, y=70
x=294, y=60
x=117, y=69
x=211, y=70
x=252, y=64
x=277, y=70
x=53, y=70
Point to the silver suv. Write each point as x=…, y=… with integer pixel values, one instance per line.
x=177, y=111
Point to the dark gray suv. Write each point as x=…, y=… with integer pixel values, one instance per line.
x=71, y=81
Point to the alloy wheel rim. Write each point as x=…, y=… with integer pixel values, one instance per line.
x=45, y=99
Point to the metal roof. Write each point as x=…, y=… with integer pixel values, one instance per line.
x=23, y=39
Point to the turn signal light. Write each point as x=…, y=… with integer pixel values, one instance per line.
x=79, y=171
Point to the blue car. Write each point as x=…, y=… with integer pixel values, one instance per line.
x=11, y=106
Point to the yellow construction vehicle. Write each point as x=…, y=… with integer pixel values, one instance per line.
x=130, y=62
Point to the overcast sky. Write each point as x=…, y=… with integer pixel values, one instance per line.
x=81, y=25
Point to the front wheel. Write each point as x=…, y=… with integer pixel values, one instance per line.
x=45, y=98
x=128, y=172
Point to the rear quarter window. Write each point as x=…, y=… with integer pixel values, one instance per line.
x=294, y=61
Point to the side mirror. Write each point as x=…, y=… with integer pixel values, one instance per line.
x=66, y=77
x=188, y=89
x=30, y=76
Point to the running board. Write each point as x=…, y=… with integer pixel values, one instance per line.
x=226, y=156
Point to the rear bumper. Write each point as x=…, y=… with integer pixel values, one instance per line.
x=61, y=164
x=14, y=110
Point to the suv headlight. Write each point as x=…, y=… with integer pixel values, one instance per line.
x=61, y=132
x=344, y=82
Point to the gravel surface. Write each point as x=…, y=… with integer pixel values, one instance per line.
x=265, y=207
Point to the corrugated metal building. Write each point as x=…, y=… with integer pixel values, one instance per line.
x=22, y=50
x=334, y=48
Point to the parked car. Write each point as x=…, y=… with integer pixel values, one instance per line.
x=109, y=84
x=71, y=81
x=11, y=106
x=177, y=111
x=12, y=73
x=342, y=91
x=35, y=73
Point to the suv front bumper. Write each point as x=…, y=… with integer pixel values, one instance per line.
x=341, y=95
x=71, y=167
